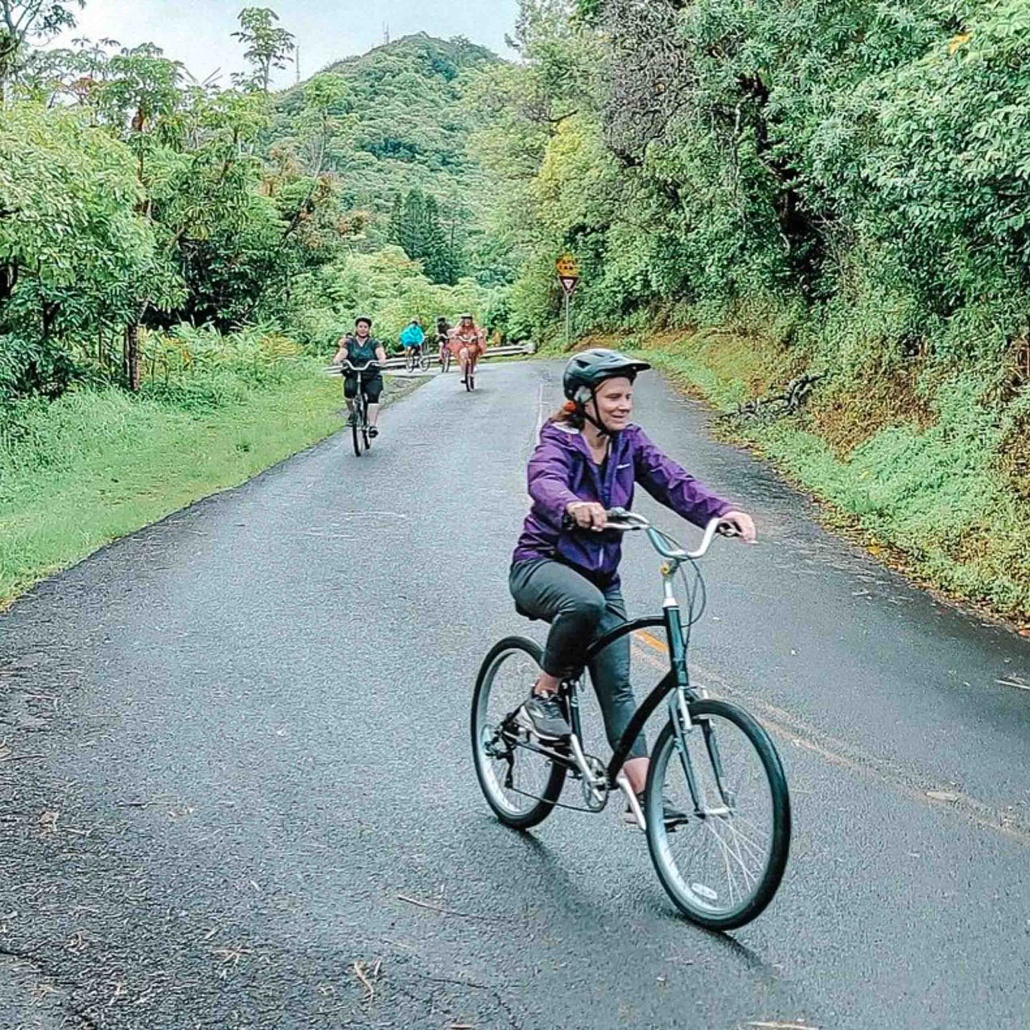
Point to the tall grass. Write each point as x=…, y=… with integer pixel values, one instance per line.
x=97, y=463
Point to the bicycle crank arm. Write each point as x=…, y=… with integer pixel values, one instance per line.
x=554, y=756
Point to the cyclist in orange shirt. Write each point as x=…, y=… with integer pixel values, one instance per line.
x=467, y=342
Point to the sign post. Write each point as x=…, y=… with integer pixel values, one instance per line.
x=568, y=276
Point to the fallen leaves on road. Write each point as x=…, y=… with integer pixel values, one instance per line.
x=368, y=974
x=48, y=822
x=230, y=956
x=784, y=1026
x=6, y=754
x=1013, y=682
x=438, y=908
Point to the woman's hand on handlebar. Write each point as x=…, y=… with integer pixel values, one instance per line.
x=742, y=525
x=587, y=515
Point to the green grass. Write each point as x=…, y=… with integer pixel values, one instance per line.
x=96, y=465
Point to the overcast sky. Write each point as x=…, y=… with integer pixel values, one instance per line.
x=198, y=32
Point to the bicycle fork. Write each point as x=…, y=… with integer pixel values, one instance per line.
x=686, y=726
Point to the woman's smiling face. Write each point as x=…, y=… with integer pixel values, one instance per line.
x=615, y=402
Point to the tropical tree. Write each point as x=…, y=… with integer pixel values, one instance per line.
x=25, y=20
x=268, y=45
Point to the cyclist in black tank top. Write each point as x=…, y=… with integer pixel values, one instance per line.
x=359, y=349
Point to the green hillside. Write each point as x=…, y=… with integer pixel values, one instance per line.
x=402, y=127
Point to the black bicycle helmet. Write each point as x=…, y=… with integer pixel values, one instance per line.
x=364, y=318
x=588, y=369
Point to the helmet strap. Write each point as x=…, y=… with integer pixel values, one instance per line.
x=598, y=422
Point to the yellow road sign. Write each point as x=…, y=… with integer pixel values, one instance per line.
x=567, y=267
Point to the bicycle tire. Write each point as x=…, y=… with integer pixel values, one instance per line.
x=468, y=379
x=357, y=424
x=535, y=809
x=689, y=888
x=446, y=364
x=423, y=362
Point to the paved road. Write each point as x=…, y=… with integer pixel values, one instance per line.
x=235, y=771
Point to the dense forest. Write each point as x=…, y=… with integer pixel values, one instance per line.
x=147, y=216
x=753, y=192
x=840, y=189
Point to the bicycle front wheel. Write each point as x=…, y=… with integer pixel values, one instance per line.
x=722, y=864
x=359, y=439
x=520, y=784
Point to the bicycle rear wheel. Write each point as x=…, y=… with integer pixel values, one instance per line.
x=520, y=784
x=446, y=365
x=723, y=863
x=423, y=362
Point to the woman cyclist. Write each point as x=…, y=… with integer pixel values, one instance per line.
x=360, y=349
x=467, y=342
x=589, y=458
x=412, y=338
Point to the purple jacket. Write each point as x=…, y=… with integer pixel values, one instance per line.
x=562, y=470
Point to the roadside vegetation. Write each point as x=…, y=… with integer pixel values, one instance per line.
x=755, y=192
x=178, y=258
x=93, y=465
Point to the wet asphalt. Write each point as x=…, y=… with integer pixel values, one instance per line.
x=236, y=787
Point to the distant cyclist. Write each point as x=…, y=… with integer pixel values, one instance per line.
x=360, y=348
x=413, y=337
x=589, y=459
x=467, y=342
x=443, y=329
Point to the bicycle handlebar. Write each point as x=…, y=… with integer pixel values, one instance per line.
x=627, y=521
x=354, y=368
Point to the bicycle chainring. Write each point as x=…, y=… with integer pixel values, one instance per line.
x=595, y=796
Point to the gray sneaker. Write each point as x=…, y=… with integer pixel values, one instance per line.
x=543, y=716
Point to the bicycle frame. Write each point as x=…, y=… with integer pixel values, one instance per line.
x=675, y=682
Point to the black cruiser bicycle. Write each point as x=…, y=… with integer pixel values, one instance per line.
x=723, y=862
x=359, y=420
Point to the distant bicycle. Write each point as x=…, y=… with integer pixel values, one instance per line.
x=359, y=421
x=722, y=862
x=416, y=357
x=445, y=354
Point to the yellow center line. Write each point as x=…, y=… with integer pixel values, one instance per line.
x=839, y=752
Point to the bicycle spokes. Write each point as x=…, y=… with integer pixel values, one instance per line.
x=724, y=860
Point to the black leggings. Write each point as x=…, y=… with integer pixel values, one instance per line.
x=373, y=387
